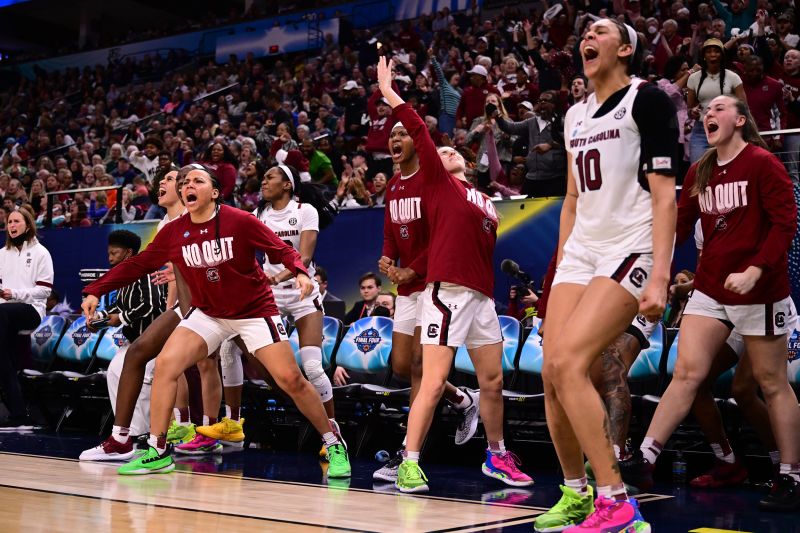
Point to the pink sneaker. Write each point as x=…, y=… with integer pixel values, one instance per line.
x=199, y=445
x=611, y=515
x=505, y=467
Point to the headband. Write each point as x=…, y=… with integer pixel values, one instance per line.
x=286, y=170
x=398, y=125
x=633, y=37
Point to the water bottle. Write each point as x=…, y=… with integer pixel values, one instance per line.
x=382, y=456
x=679, y=469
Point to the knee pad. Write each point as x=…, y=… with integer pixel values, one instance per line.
x=231, y=363
x=316, y=375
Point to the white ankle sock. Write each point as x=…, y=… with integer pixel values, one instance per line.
x=330, y=439
x=153, y=441
x=411, y=456
x=651, y=450
x=120, y=434
x=578, y=485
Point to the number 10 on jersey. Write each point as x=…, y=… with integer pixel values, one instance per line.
x=588, y=164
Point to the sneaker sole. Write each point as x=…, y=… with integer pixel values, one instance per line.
x=107, y=457
x=473, y=427
x=144, y=471
x=412, y=490
x=199, y=452
x=339, y=476
x=232, y=444
x=382, y=477
x=507, y=481
x=554, y=529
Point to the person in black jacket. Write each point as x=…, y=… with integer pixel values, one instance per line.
x=370, y=286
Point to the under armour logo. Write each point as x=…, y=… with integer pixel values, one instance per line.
x=723, y=172
x=452, y=306
x=203, y=231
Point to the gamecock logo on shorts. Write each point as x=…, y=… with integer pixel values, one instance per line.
x=281, y=329
x=212, y=274
x=780, y=319
x=637, y=277
x=433, y=330
x=367, y=340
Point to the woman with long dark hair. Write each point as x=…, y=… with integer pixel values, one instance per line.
x=219, y=158
x=26, y=271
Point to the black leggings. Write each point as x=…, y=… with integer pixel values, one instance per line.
x=14, y=317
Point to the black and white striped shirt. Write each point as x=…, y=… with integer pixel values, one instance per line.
x=138, y=305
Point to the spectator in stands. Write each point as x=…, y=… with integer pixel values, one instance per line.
x=114, y=153
x=449, y=95
x=473, y=100
x=218, y=157
x=547, y=159
x=378, y=135
x=386, y=301
x=379, y=185
x=708, y=80
x=27, y=279
x=478, y=134
x=763, y=94
x=147, y=162
x=321, y=277
x=791, y=92
x=78, y=216
x=370, y=286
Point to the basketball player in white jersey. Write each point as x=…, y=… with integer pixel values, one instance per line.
x=615, y=247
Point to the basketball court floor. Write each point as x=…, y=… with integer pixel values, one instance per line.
x=44, y=488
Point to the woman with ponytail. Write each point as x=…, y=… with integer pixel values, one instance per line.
x=743, y=196
x=214, y=248
x=707, y=81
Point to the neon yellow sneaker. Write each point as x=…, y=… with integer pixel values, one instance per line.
x=180, y=434
x=571, y=510
x=411, y=478
x=226, y=430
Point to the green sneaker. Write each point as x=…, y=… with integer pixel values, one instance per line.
x=149, y=462
x=570, y=510
x=180, y=434
x=411, y=478
x=339, y=463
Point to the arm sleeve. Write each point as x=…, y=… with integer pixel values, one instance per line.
x=43, y=282
x=513, y=128
x=777, y=199
x=277, y=251
x=151, y=259
x=688, y=209
x=145, y=299
x=422, y=142
x=657, y=119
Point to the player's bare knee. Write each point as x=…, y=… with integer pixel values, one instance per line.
x=771, y=382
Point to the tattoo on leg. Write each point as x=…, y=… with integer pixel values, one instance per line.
x=616, y=393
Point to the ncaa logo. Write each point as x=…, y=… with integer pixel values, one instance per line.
x=43, y=335
x=81, y=335
x=433, y=331
x=619, y=114
x=367, y=340
x=404, y=232
x=638, y=277
x=780, y=319
x=212, y=274
x=292, y=221
x=119, y=339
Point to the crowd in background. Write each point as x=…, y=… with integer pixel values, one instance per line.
x=495, y=85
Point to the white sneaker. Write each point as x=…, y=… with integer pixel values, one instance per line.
x=469, y=424
x=110, y=450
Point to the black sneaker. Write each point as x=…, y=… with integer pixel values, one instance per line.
x=17, y=425
x=784, y=496
x=637, y=471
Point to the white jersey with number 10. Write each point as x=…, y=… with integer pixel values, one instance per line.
x=614, y=210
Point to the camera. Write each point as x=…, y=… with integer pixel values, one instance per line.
x=490, y=109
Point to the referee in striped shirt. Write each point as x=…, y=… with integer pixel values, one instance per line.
x=140, y=303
